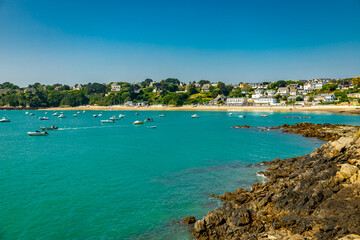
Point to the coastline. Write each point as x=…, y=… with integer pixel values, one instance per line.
x=314, y=196
x=344, y=109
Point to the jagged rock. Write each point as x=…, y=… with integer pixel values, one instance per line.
x=350, y=237
x=243, y=126
x=189, y=220
x=315, y=196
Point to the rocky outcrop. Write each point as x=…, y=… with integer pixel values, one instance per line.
x=315, y=196
x=325, y=132
x=243, y=126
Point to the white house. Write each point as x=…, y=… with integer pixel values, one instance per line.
x=270, y=93
x=325, y=97
x=236, y=101
x=205, y=88
x=115, y=87
x=265, y=100
x=283, y=91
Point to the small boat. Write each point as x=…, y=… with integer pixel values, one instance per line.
x=107, y=121
x=26, y=112
x=138, y=123
x=121, y=115
x=264, y=115
x=100, y=115
x=161, y=115
x=84, y=111
x=5, y=119
x=94, y=115
x=46, y=112
x=151, y=126
x=37, y=133
x=136, y=114
x=49, y=128
x=230, y=114
x=31, y=114
x=78, y=112
x=115, y=118
x=195, y=116
x=55, y=114
x=62, y=116
x=241, y=116
x=149, y=120
x=43, y=118
x=75, y=115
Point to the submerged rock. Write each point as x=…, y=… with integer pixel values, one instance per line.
x=243, y=126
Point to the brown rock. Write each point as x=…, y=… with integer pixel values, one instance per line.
x=189, y=220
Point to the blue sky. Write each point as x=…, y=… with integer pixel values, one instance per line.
x=86, y=41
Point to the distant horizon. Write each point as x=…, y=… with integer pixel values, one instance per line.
x=233, y=41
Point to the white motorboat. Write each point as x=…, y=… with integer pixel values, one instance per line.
x=5, y=119
x=107, y=121
x=31, y=114
x=121, y=115
x=84, y=111
x=241, y=116
x=195, y=116
x=151, y=126
x=94, y=115
x=115, y=118
x=78, y=112
x=230, y=114
x=62, y=116
x=138, y=123
x=100, y=115
x=161, y=115
x=75, y=115
x=46, y=112
x=136, y=114
x=37, y=133
x=43, y=118
x=26, y=112
x=55, y=114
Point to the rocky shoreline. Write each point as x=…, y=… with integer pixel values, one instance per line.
x=315, y=196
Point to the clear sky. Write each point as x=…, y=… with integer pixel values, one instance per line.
x=82, y=41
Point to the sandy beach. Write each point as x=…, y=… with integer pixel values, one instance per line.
x=345, y=109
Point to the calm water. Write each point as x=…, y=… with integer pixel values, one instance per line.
x=119, y=181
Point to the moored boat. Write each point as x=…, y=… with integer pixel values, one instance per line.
x=31, y=114
x=241, y=116
x=107, y=121
x=121, y=115
x=195, y=116
x=149, y=120
x=43, y=118
x=5, y=119
x=161, y=115
x=264, y=115
x=115, y=118
x=151, y=126
x=75, y=115
x=55, y=114
x=138, y=123
x=94, y=115
x=37, y=133
x=62, y=116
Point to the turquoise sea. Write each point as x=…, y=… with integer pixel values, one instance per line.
x=90, y=180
